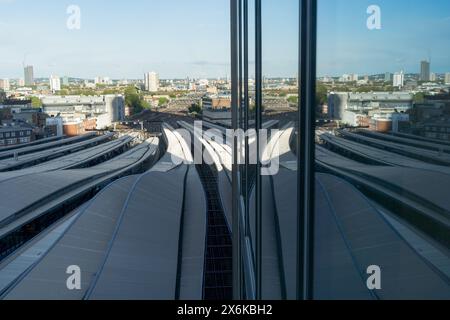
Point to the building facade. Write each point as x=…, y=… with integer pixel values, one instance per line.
x=55, y=83
x=151, y=82
x=399, y=79
x=105, y=109
x=12, y=134
x=349, y=107
x=29, y=76
x=5, y=85
x=425, y=73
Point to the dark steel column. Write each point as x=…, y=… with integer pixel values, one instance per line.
x=258, y=118
x=246, y=121
x=235, y=185
x=241, y=88
x=306, y=149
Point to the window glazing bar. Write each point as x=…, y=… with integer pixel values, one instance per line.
x=241, y=88
x=246, y=121
x=234, y=37
x=258, y=120
x=306, y=148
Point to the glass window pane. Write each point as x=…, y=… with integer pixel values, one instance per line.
x=382, y=228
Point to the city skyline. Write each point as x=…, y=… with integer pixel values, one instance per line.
x=181, y=42
x=100, y=79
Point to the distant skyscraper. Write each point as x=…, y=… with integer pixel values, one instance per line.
x=151, y=81
x=425, y=71
x=102, y=80
x=55, y=83
x=29, y=75
x=4, y=84
x=399, y=79
x=388, y=77
x=346, y=78
x=433, y=77
x=447, y=78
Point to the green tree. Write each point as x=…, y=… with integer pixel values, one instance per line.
x=135, y=100
x=321, y=95
x=293, y=99
x=36, y=102
x=163, y=101
x=419, y=97
x=111, y=91
x=195, y=108
x=63, y=92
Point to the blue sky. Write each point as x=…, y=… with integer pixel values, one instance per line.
x=179, y=38
x=412, y=30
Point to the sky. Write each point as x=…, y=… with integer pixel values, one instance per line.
x=411, y=31
x=181, y=38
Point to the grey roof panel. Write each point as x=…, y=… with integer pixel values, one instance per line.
x=143, y=258
x=30, y=149
x=126, y=241
x=70, y=161
x=84, y=244
x=350, y=236
x=31, y=158
x=27, y=193
x=372, y=241
x=193, y=241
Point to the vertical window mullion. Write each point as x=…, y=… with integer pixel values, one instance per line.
x=246, y=121
x=258, y=120
x=235, y=174
x=241, y=89
x=306, y=149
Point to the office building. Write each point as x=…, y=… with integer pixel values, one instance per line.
x=4, y=84
x=55, y=125
x=15, y=104
x=102, y=81
x=433, y=77
x=29, y=76
x=217, y=109
x=12, y=134
x=425, y=73
x=349, y=78
x=399, y=79
x=357, y=109
x=340, y=102
x=447, y=78
x=151, y=82
x=103, y=110
x=55, y=83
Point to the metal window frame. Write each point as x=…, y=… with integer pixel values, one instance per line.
x=306, y=149
x=246, y=117
x=234, y=37
x=258, y=125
